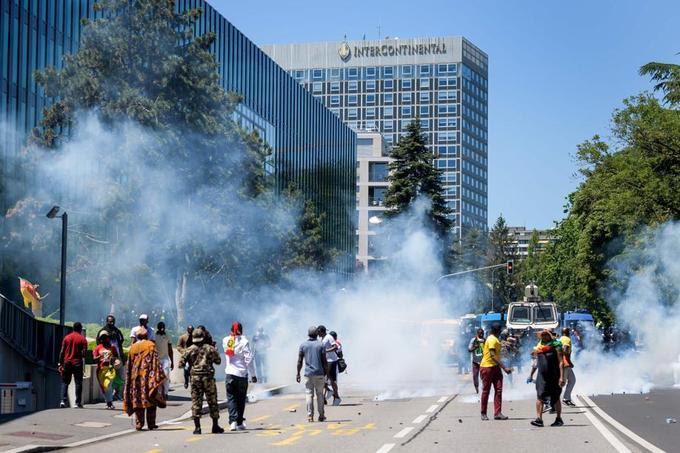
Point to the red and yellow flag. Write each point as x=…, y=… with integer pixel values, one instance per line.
x=30, y=294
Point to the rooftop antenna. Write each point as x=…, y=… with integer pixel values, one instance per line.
x=364, y=38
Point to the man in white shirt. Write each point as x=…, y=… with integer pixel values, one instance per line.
x=240, y=365
x=143, y=322
x=331, y=348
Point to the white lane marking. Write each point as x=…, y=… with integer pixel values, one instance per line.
x=404, y=432
x=612, y=439
x=419, y=419
x=432, y=408
x=634, y=437
x=442, y=399
x=385, y=448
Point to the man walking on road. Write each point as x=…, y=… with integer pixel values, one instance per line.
x=490, y=371
x=143, y=324
x=476, y=348
x=183, y=344
x=165, y=353
x=313, y=354
x=71, y=359
x=569, y=376
x=331, y=347
x=202, y=356
x=240, y=365
x=550, y=377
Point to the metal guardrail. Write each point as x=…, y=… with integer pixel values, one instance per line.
x=38, y=341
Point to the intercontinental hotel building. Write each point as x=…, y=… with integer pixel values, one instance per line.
x=383, y=85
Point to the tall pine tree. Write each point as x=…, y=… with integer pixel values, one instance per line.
x=413, y=174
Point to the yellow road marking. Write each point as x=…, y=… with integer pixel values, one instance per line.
x=290, y=440
x=261, y=418
x=314, y=432
x=369, y=426
x=155, y=450
x=334, y=426
x=194, y=439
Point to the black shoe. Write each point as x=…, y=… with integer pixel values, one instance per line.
x=216, y=429
x=186, y=385
x=569, y=403
x=558, y=422
x=537, y=422
x=485, y=417
x=197, y=425
x=80, y=406
x=500, y=417
x=63, y=405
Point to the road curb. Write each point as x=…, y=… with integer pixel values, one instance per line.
x=186, y=416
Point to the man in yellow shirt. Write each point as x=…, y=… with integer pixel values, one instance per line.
x=490, y=372
x=568, y=366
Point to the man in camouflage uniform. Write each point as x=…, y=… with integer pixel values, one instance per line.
x=201, y=356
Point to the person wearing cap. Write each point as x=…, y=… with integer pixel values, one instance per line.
x=106, y=355
x=313, y=354
x=144, y=380
x=240, y=365
x=143, y=323
x=201, y=356
x=550, y=376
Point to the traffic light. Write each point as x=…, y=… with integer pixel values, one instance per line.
x=508, y=266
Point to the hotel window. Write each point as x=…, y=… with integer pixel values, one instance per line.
x=353, y=86
x=351, y=114
x=445, y=123
x=317, y=74
x=370, y=112
x=424, y=97
x=370, y=72
x=424, y=110
x=447, y=82
x=449, y=95
x=370, y=85
x=370, y=99
x=388, y=112
x=388, y=85
x=388, y=71
x=447, y=68
x=388, y=98
x=425, y=124
x=352, y=73
x=425, y=69
x=299, y=74
x=403, y=124
x=335, y=101
x=448, y=150
x=406, y=84
x=425, y=83
x=406, y=111
x=335, y=87
x=335, y=73
x=352, y=99
x=388, y=125
x=336, y=112
x=407, y=70
x=317, y=87
x=371, y=126
x=406, y=98
x=449, y=109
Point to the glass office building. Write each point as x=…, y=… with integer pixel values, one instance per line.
x=312, y=147
x=384, y=85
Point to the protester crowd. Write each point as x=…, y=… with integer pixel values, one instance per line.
x=551, y=363
x=141, y=377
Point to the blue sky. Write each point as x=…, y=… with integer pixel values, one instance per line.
x=556, y=72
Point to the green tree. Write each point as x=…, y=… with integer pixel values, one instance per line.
x=500, y=251
x=306, y=248
x=412, y=173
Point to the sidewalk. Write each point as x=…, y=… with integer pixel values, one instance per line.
x=58, y=427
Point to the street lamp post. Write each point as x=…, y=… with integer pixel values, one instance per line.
x=64, y=239
x=493, y=273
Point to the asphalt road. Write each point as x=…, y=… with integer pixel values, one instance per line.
x=646, y=415
x=443, y=422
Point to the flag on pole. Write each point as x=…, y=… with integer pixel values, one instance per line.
x=31, y=296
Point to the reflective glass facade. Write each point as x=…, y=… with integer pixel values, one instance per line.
x=312, y=147
x=384, y=85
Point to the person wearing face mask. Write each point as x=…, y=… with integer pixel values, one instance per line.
x=164, y=348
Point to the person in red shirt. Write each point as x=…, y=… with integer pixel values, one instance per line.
x=71, y=359
x=105, y=354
